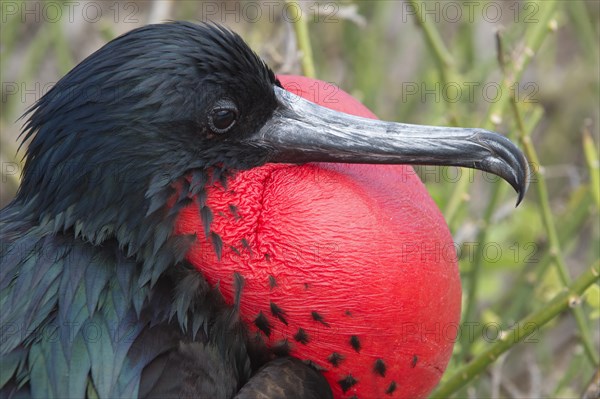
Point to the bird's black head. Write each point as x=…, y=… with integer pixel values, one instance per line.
x=143, y=111
x=137, y=130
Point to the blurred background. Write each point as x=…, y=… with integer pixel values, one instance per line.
x=527, y=69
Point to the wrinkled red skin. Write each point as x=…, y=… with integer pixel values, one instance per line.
x=363, y=246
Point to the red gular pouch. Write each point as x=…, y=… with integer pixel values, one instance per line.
x=352, y=266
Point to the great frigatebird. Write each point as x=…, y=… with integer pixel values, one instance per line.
x=97, y=298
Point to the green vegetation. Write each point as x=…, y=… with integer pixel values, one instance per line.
x=526, y=69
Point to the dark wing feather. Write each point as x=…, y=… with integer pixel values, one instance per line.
x=63, y=315
x=190, y=370
x=77, y=321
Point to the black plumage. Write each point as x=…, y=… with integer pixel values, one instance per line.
x=96, y=297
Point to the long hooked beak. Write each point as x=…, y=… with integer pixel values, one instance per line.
x=300, y=131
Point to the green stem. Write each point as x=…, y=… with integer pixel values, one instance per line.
x=591, y=156
x=301, y=29
x=481, y=238
x=533, y=41
x=548, y=220
x=442, y=57
x=459, y=194
x=518, y=299
x=441, y=54
x=582, y=23
x=472, y=284
x=524, y=328
x=571, y=222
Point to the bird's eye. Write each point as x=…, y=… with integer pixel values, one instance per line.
x=222, y=117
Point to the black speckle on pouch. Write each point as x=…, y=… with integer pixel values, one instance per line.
x=355, y=343
x=391, y=388
x=302, y=336
x=379, y=367
x=335, y=359
x=279, y=313
x=414, y=361
x=347, y=382
x=318, y=318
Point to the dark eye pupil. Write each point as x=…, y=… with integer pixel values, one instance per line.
x=223, y=118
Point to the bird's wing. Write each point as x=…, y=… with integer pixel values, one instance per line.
x=70, y=314
x=81, y=320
